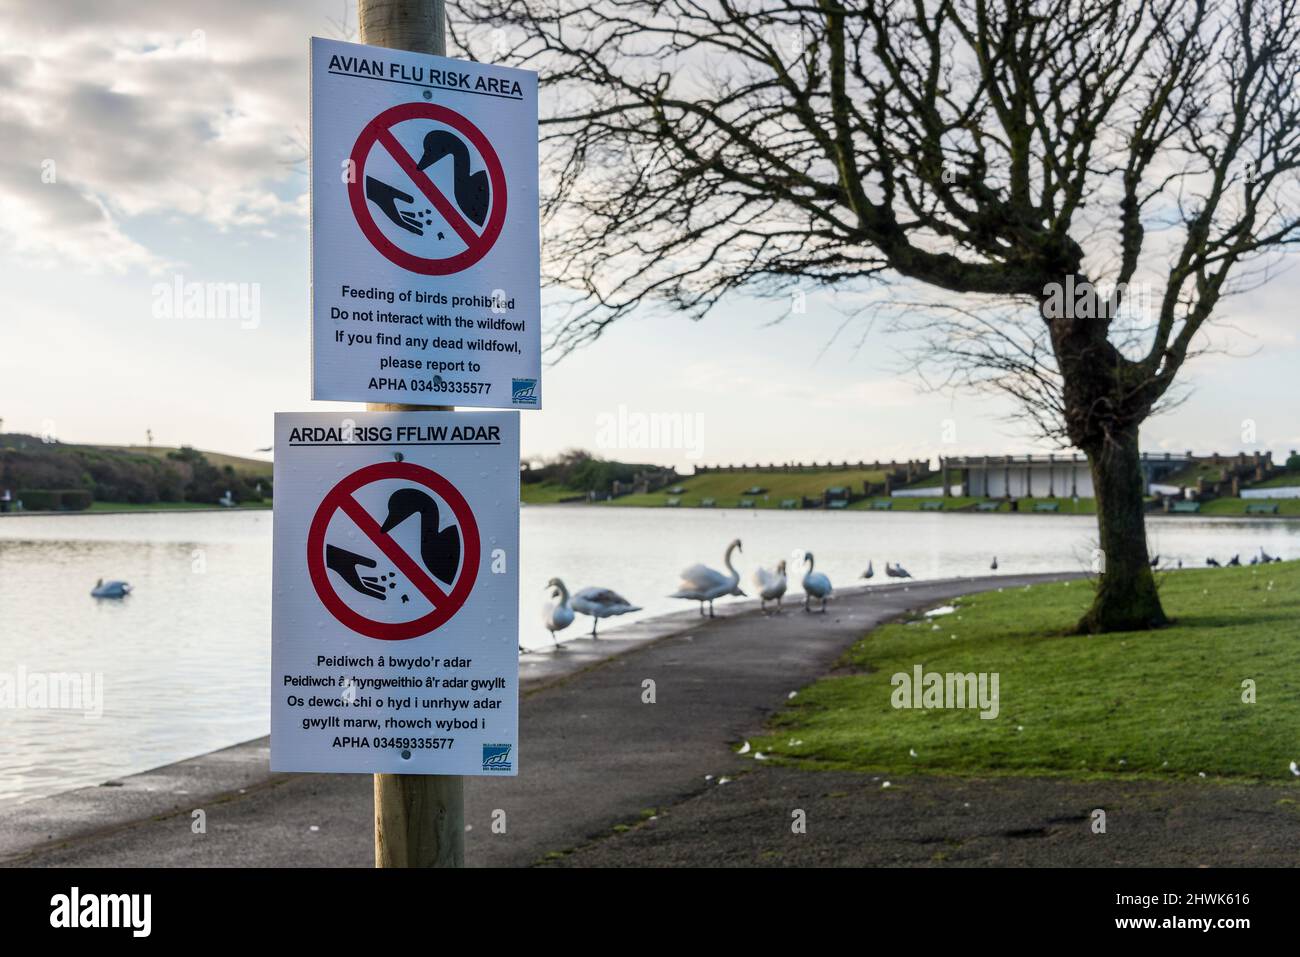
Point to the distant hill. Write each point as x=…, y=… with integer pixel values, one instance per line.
x=68, y=477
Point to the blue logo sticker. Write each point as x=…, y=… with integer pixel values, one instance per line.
x=496, y=757
x=523, y=391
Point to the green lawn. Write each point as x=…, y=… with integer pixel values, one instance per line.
x=1237, y=506
x=728, y=488
x=1285, y=480
x=160, y=506
x=1163, y=703
x=545, y=493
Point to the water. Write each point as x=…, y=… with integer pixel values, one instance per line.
x=185, y=659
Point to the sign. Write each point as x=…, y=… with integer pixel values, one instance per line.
x=426, y=281
x=395, y=616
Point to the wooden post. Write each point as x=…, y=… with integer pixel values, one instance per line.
x=419, y=818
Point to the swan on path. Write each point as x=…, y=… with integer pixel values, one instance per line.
x=770, y=585
x=113, y=589
x=815, y=584
x=601, y=603
x=870, y=572
x=701, y=583
x=557, y=614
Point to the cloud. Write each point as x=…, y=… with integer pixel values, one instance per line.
x=117, y=114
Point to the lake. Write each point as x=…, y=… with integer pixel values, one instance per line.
x=185, y=659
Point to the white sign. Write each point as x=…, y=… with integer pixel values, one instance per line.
x=395, y=617
x=426, y=282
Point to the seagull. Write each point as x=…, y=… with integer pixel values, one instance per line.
x=815, y=584
x=701, y=583
x=994, y=564
x=770, y=585
x=601, y=603
x=112, y=589
x=557, y=613
x=870, y=572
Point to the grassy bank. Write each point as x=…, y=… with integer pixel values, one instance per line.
x=163, y=507
x=728, y=488
x=1164, y=703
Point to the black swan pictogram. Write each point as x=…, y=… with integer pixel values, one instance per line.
x=472, y=190
x=439, y=550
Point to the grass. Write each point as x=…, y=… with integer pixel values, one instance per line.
x=1237, y=506
x=254, y=467
x=1164, y=703
x=1285, y=480
x=728, y=488
x=158, y=506
x=545, y=493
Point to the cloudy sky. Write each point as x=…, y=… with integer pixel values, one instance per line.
x=147, y=140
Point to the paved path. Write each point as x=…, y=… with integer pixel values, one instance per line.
x=594, y=756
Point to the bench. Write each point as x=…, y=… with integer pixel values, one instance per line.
x=746, y=503
x=1047, y=506
x=881, y=505
x=932, y=505
x=987, y=506
x=789, y=503
x=673, y=502
x=707, y=503
x=1261, y=508
x=1186, y=507
x=838, y=503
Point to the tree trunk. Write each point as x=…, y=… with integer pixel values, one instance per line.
x=1126, y=598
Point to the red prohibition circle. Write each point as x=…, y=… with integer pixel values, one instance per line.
x=335, y=500
x=379, y=129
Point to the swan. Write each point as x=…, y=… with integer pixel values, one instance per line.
x=601, y=603
x=815, y=584
x=896, y=571
x=113, y=589
x=557, y=614
x=701, y=583
x=770, y=585
x=870, y=572
x=439, y=550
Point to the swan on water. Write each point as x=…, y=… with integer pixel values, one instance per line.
x=701, y=583
x=557, y=614
x=770, y=585
x=113, y=589
x=601, y=603
x=870, y=572
x=815, y=584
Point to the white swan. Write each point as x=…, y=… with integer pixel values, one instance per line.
x=601, y=603
x=815, y=584
x=557, y=614
x=770, y=585
x=701, y=583
x=113, y=589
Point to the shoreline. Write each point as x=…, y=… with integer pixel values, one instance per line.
x=153, y=807
x=144, y=511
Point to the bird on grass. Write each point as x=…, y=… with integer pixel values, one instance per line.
x=815, y=584
x=770, y=585
x=601, y=603
x=703, y=584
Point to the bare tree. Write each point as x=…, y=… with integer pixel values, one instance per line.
x=1082, y=180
